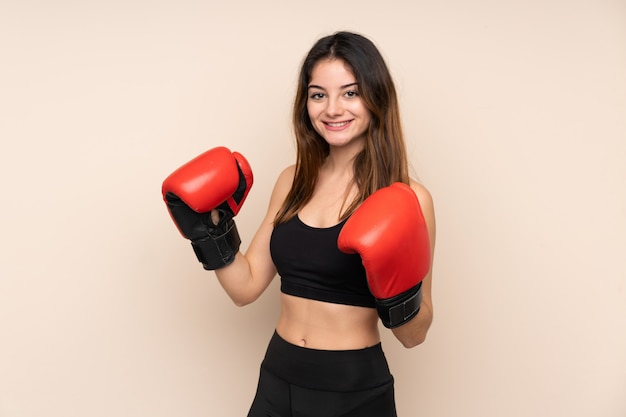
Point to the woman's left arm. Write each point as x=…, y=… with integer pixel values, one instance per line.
x=413, y=332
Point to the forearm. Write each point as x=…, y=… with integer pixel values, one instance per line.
x=240, y=283
x=249, y=275
x=413, y=332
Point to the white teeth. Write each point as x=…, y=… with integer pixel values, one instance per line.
x=337, y=124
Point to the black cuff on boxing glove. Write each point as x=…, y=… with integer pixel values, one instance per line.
x=397, y=310
x=219, y=248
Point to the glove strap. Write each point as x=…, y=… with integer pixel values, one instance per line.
x=216, y=252
x=397, y=310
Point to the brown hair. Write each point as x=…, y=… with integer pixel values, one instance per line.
x=383, y=160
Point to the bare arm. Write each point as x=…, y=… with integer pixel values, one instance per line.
x=414, y=331
x=249, y=275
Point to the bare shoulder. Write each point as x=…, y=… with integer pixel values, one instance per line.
x=287, y=174
x=423, y=195
x=282, y=186
x=285, y=179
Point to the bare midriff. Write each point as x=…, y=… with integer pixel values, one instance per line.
x=326, y=326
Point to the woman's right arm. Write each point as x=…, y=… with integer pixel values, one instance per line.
x=245, y=279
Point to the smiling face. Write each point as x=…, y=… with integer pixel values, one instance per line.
x=334, y=105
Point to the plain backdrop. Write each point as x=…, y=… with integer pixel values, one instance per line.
x=515, y=115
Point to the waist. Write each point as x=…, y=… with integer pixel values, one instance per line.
x=338, y=370
x=327, y=326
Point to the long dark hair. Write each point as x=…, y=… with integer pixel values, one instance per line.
x=383, y=159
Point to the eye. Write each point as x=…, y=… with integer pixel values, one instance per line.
x=316, y=96
x=351, y=93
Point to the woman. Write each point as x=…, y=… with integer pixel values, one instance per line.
x=325, y=358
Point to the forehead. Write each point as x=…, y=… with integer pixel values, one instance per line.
x=331, y=73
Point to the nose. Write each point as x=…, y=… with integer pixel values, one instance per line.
x=334, y=107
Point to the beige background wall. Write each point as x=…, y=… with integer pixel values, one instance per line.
x=515, y=113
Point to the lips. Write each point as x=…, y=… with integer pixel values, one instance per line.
x=337, y=125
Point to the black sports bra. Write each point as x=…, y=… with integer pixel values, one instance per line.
x=311, y=266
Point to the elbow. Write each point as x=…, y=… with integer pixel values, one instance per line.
x=413, y=333
x=413, y=341
x=242, y=301
x=241, y=297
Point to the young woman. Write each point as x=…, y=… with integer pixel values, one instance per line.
x=349, y=232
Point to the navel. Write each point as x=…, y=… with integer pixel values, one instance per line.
x=302, y=343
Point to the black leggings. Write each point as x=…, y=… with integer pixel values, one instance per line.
x=301, y=382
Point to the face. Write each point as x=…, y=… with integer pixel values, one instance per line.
x=334, y=105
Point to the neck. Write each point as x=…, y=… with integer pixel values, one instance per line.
x=340, y=160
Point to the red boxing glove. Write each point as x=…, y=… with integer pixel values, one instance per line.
x=390, y=234
x=215, y=180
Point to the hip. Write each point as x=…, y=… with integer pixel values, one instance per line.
x=330, y=370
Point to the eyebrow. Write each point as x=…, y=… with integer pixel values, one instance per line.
x=342, y=87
